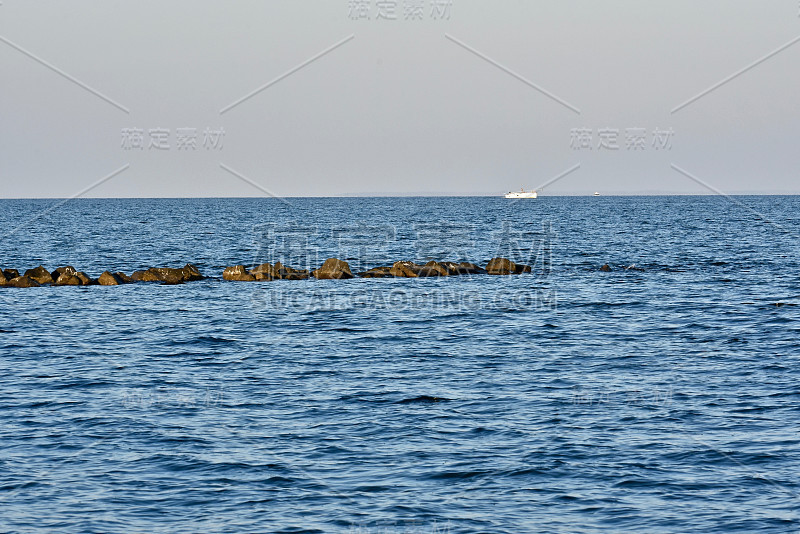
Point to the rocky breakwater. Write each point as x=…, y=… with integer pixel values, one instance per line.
x=331, y=269
x=69, y=276
x=336, y=269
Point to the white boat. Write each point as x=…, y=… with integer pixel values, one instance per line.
x=521, y=194
x=596, y=194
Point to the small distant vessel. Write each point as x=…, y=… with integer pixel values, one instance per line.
x=596, y=194
x=521, y=194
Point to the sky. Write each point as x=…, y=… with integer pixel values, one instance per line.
x=193, y=98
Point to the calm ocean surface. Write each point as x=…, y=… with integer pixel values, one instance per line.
x=665, y=399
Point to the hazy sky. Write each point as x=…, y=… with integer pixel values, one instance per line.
x=462, y=97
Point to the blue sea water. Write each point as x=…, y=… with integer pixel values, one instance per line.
x=658, y=398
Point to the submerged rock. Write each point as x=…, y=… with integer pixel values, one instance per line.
x=470, y=268
x=333, y=269
x=23, y=281
x=504, y=266
x=110, y=279
x=422, y=399
x=605, y=268
x=40, y=274
x=634, y=268
x=377, y=272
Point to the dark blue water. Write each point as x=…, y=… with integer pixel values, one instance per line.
x=567, y=400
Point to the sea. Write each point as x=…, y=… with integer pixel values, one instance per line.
x=660, y=395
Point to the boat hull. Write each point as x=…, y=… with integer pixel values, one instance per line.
x=522, y=194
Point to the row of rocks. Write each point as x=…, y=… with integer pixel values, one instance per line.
x=69, y=276
x=332, y=269
x=336, y=269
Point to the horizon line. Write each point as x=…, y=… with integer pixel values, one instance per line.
x=429, y=195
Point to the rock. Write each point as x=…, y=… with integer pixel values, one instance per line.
x=470, y=268
x=433, y=268
x=267, y=272
x=124, y=277
x=605, y=268
x=264, y=268
x=191, y=273
x=333, y=269
x=501, y=266
x=296, y=276
x=144, y=276
x=84, y=278
x=405, y=269
x=452, y=268
x=23, y=281
x=10, y=274
x=166, y=275
x=109, y=279
x=3, y=279
x=284, y=272
x=67, y=279
x=377, y=272
x=171, y=278
x=268, y=268
x=238, y=273
x=40, y=274
x=236, y=270
x=69, y=269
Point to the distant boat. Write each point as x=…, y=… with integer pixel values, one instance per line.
x=521, y=194
x=596, y=194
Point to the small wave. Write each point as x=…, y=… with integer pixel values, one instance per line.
x=449, y=475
